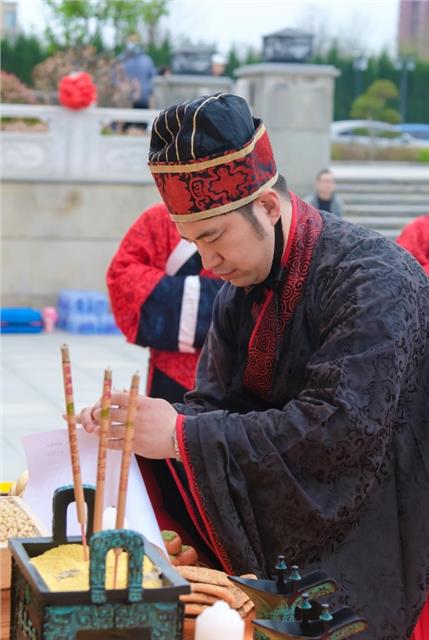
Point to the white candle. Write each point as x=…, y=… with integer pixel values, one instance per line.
x=109, y=519
x=219, y=621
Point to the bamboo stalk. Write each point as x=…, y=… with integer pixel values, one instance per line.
x=102, y=449
x=74, y=450
x=125, y=463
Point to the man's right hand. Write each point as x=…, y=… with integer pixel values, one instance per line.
x=154, y=425
x=88, y=418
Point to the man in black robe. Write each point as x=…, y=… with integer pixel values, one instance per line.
x=307, y=433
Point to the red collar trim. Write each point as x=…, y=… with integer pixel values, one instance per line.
x=271, y=319
x=292, y=231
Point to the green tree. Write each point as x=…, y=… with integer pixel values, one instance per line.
x=151, y=13
x=384, y=90
x=418, y=93
x=19, y=56
x=83, y=22
x=161, y=52
x=380, y=66
x=253, y=56
x=232, y=63
x=374, y=103
x=73, y=23
x=131, y=16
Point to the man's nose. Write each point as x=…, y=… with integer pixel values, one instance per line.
x=210, y=258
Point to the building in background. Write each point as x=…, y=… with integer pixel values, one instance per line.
x=413, y=32
x=8, y=20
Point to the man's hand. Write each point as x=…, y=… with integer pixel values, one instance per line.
x=154, y=425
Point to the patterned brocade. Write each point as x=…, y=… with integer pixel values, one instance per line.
x=216, y=188
x=331, y=467
x=270, y=321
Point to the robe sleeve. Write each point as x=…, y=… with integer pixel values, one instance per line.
x=298, y=476
x=415, y=239
x=177, y=313
x=153, y=309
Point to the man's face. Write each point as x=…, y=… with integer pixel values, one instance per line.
x=325, y=186
x=218, y=69
x=232, y=248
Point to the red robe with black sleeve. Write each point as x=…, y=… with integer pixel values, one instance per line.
x=162, y=298
x=415, y=239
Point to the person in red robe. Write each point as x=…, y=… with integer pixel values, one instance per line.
x=162, y=298
x=414, y=237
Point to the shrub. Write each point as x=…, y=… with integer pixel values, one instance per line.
x=360, y=153
x=15, y=91
x=110, y=93
x=374, y=103
x=423, y=155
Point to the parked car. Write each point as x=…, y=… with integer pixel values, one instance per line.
x=373, y=133
x=420, y=131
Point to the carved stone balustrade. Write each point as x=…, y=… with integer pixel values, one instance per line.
x=76, y=146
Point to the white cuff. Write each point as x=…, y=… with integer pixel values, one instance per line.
x=189, y=314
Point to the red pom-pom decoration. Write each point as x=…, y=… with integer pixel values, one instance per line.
x=77, y=91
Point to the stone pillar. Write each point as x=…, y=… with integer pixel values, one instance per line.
x=295, y=102
x=173, y=89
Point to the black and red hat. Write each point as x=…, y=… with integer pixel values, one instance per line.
x=209, y=156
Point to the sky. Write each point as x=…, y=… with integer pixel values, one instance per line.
x=365, y=25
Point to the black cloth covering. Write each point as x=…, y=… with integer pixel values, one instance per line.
x=332, y=469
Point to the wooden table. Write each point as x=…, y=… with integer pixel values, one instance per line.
x=188, y=631
x=5, y=614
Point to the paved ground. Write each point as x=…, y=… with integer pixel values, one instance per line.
x=32, y=389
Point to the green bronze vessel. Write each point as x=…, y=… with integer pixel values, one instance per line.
x=37, y=613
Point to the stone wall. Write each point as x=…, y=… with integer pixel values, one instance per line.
x=63, y=235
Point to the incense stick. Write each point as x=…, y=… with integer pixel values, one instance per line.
x=102, y=448
x=74, y=451
x=125, y=463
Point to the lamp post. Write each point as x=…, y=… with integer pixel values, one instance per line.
x=288, y=45
x=404, y=65
x=192, y=60
x=360, y=64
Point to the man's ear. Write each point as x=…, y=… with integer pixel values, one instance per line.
x=269, y=204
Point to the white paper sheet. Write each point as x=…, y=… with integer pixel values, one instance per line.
x=49, y=467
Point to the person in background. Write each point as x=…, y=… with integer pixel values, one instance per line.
x=324, y=196
x=421, y=632
x=162, y=298
x=135, y=66
x=307, y=433
x=218, y=64
x=414, y=237
x=138, y=67
x=164, y=70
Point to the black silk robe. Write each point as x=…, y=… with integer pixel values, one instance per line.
x=321, y=452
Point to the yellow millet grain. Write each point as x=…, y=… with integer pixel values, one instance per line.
x=63, y=568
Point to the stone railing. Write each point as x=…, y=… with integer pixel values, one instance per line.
x=75, y=145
